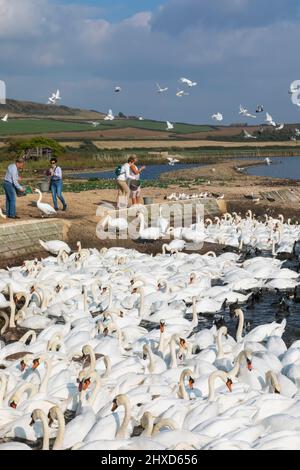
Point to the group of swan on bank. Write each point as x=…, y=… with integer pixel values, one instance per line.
x=77, y=345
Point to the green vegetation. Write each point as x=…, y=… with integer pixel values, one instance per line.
x=18, y=146
x=40, y=126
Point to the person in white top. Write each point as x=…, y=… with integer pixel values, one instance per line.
x=134, y=182
x=56, y=182
x=123, y=188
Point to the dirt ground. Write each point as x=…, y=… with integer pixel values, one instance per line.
x=223, y=177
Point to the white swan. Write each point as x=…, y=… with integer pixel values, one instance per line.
x=43, y=207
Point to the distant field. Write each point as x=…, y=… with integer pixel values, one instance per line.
x=39, y=126
x=108, y=144
x=46, y=126
x=153, y=126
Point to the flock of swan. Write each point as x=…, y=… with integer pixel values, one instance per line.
x=105, y=350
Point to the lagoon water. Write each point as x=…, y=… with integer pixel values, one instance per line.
x=282, y=167
x=285, y=167
x=151, y=172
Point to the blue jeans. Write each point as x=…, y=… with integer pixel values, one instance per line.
x=56, y=188
x=10, y=194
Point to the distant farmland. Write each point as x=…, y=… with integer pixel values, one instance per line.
x=46, y=126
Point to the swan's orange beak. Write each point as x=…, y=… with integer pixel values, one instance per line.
x=249, y=365
x=114, y=406
x=229, y=385
x=13, y=405
x=162, y=327
x=84, y=385
x=35, y=364
x=191, y=383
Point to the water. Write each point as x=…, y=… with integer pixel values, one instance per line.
x=151, y=172
x=285, y=167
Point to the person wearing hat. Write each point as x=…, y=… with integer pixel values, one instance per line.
x=11, y=185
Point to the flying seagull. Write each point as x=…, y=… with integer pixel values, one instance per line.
x=294, y=88
x=269, y=120
x=109, y=116
x=247, y=135
x=188, y=82
x=260, y=109
x=217, y=117
x=160, y=89
x=118, y=89
x=181, y=93
x=169, y=126
x=55, y=97
x=280, y=127
x=5, y=118
x=244, y=112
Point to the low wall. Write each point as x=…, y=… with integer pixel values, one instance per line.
x=212, y=207
x=20, y=240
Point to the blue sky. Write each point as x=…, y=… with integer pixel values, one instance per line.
x=239, y=51
x=116, y=10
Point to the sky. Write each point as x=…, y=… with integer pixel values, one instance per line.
x=238, y=51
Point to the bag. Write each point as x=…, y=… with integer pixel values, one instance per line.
x=118, y=170
x=134, y=185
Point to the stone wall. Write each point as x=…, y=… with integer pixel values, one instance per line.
x=20, y=240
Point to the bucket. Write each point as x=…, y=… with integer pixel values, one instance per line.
x=45, y=186
x=148, y=201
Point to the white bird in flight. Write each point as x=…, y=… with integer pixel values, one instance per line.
x=280, y=127
x=247, y=135
x=118, y=89
x=294, y=88
x=55, y=97
x=259, y=109
x=217, y=117
x=160, y=89
x=268, y=161
x=188, y=82
x=269, y=120
x=172, y=161
x=109, y=116
x=244, y=112
x=94, y=123
x=181, y=93
x=169, y=126
x=5, y=118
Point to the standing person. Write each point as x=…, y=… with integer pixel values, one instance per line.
x=11, y=186
x=123, y=175
x=134, y=182
x=56, y=184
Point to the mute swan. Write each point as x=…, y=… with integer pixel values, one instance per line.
x=45, y=208
x=55, y=246
x=108, y=427
x=151, y=233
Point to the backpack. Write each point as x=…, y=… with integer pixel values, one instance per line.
x=118, y=170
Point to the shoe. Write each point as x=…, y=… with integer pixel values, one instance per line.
x=14, y=217
x=56, y=209
x=65, y=208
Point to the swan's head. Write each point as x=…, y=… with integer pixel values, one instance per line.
x=84, y=384
x=136, y=286
x=25, y=362
x=36, y=190
x=191, y=383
